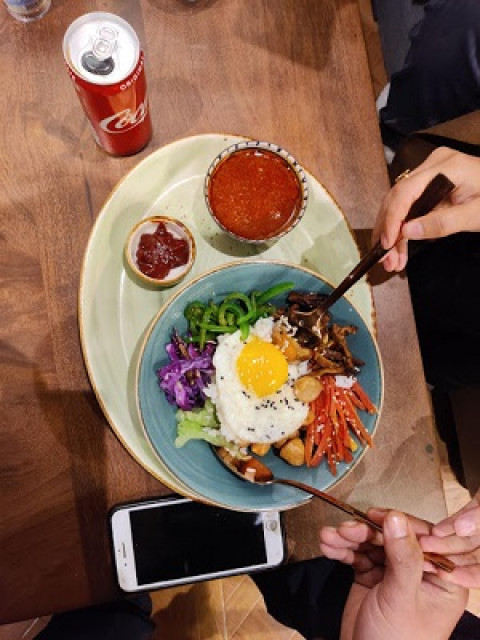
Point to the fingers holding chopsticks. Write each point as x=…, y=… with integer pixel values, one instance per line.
x=357, y=544
x=459, y=212
x=458, y=537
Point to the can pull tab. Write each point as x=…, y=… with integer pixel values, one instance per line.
x=99, y=60
x=105, y=43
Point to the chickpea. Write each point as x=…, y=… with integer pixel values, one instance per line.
x=293, y=452
x=260, y=448
x=279, y=444
x=307, y=388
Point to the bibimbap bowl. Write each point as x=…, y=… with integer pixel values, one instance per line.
x=194, y=463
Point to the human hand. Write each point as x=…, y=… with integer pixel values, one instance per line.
x=459, y=537
x=460, y=212
x=360, y=546
x=393, y=597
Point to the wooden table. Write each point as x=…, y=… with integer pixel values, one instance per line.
x=292, y=71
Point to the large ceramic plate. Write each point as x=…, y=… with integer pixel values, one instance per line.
x=114, y=311
x=194, y=464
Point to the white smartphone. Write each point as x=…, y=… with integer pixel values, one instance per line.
x=172, y=541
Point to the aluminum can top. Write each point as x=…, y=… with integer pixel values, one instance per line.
x=101, y=48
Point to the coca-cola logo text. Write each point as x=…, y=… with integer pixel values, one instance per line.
x=124, y=120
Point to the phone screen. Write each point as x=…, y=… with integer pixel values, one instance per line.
x=188, y=539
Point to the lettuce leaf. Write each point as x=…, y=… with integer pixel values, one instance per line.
x=199, y=424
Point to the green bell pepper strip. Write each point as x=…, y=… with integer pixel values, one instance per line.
x=217, y=328
x=263, y=311
x=238, y=297
x=276, y=290
x=229, y=312
x=244, y=330
x=194, y=310
x=236, y=311
x=207, y=315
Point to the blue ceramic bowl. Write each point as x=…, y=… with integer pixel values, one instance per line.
x=195, y=465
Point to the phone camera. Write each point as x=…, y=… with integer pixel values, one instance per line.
x=271, y=525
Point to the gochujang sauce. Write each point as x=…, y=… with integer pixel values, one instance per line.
x=255, y=194
x=160, y=252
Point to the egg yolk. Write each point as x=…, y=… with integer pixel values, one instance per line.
x=261, y=367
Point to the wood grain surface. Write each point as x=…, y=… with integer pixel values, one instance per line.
x=291, y=71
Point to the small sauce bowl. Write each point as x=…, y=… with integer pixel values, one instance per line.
x=175, y=239
x=256, y=191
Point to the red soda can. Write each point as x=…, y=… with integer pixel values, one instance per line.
x=106, y=65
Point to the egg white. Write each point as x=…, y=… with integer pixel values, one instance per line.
x=243, y=416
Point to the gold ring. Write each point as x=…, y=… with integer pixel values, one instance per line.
x=404, y=174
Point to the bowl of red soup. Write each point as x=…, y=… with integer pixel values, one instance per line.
x=256, y=191
x=160, y=251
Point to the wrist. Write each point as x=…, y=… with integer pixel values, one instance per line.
x=354, y=601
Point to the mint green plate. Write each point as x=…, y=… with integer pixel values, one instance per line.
x=194, y=464
x=115, y=311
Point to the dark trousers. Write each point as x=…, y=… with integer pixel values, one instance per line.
x=444, y=280
x=440, y=79
x=127, y=619
x=309, y=597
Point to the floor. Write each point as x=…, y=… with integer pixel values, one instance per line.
x=233, y=608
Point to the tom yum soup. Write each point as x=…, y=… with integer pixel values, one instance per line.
x=256, y=194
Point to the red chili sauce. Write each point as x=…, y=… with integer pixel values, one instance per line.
x=159, y=252
x=255, y=194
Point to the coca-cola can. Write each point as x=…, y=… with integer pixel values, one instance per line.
x=106, y=65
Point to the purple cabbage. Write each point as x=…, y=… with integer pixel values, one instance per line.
x=187, y=374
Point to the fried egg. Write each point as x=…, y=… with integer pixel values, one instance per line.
x=253, y=387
